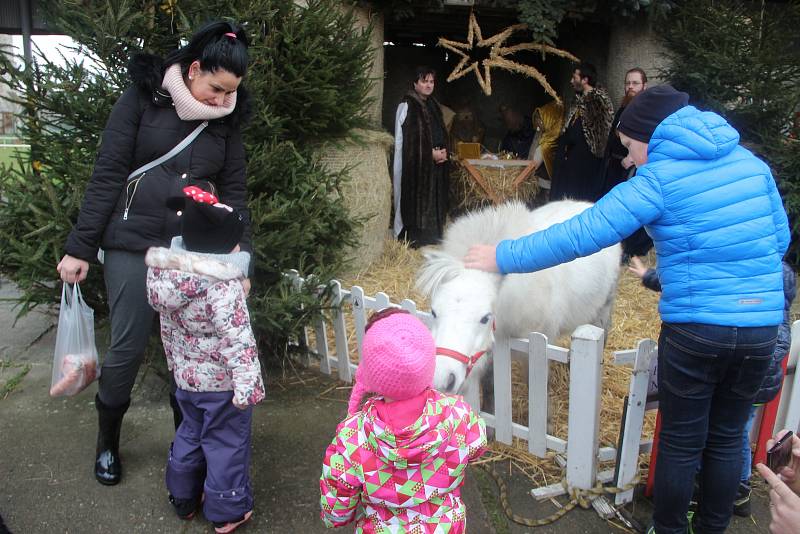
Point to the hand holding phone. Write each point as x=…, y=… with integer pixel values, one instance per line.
x=780, y=454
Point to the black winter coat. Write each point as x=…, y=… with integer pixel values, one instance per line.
x=772, y=382
x=142, y=127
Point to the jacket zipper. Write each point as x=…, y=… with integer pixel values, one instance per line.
x=129, y=196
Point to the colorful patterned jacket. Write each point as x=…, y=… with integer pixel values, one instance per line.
x=205, y=324
x=404, y=482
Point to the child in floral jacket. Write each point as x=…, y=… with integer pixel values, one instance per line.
x=196, y=287
x=398, y=463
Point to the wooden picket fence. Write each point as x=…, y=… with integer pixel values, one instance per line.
x=585, y=359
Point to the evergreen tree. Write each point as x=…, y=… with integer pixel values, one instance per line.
x=742, y=60
x=308, y=81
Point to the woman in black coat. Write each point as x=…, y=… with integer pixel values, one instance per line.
x=166, y=102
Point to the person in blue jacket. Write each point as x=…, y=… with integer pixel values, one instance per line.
x=720, y=232
x=773, y=380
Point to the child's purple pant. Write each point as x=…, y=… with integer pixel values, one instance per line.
x=211, y=453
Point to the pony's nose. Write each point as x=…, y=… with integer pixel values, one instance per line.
x=451, y=382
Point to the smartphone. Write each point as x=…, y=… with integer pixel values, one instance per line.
x=780, y=453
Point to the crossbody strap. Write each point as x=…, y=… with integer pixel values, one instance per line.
x=172, y=153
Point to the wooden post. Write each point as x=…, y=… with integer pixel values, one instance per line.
x=473, y=397
x=585, y=390
x=792, y=421
x=340, y=330
x=539, y=372
x=359, y=315
x=632, y=425
x=502, y=389
x=321, y=333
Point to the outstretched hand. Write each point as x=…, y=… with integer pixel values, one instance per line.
x=637, y=267
x=784, y=503
x=482, y=257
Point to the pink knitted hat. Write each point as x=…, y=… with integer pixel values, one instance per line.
x=399, y=358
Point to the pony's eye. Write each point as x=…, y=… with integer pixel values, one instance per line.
x=485, y=318
x=433, y=313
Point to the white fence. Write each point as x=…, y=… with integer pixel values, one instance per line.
x=585, y=360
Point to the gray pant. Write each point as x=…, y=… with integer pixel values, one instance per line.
x=131, y=324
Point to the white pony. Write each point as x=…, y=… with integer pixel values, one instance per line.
x=467, y=304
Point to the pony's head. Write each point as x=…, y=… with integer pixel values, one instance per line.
x=462, y=304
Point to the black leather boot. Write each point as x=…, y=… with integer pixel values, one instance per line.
x=177, y=414
x=107, y=466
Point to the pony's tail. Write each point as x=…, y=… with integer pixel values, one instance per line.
x=355, y=397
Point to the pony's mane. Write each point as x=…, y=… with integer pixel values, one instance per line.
x=489, y=225
x=439, y=267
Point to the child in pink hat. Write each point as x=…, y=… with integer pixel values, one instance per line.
x=397, y=463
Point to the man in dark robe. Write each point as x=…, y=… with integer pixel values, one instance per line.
x=618, y=166
x=579, y=160
x=421, y=178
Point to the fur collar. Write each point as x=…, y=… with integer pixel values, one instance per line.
x=213, y=265
x=146, y=71
x=596, y=111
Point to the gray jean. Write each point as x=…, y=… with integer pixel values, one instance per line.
x=131, y=324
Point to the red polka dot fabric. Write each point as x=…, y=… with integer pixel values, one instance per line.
x=198, y=195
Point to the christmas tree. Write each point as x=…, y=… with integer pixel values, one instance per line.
x=308, y=81
x=742, y=60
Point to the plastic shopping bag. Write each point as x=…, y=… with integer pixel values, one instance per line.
x=75, y=363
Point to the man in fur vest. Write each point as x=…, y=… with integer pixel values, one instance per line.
x=420, y=164
x=579, y=160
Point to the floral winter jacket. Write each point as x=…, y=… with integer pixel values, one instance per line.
x=205, y=324
x=402, y=482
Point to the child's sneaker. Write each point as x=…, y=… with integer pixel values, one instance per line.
x=185, y=508
x=230, y=526
x=741, y=505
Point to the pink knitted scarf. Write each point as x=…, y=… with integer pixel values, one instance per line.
x=187, y=107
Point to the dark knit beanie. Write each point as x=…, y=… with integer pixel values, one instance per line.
x=208, y=226
x=648, y=109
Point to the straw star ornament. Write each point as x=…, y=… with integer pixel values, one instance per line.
x=498, y=56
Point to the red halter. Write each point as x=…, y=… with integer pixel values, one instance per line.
x=469, y=361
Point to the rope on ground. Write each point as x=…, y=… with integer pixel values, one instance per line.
x=578, y=497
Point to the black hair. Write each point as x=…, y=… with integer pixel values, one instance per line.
x=589, y=71
x=215, y=47
x=421, y=72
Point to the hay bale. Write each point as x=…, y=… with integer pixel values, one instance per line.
x=368, y=192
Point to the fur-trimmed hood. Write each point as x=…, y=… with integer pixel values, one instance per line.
x=218, y=266
x=178, y=276
x=146, y=71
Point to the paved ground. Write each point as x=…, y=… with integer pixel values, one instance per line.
x=47, y=454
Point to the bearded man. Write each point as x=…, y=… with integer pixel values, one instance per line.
x=618, y=166
x=579, y=160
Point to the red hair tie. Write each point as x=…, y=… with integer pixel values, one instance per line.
x=198, y=195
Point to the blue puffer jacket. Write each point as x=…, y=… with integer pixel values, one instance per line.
x=715, y=216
